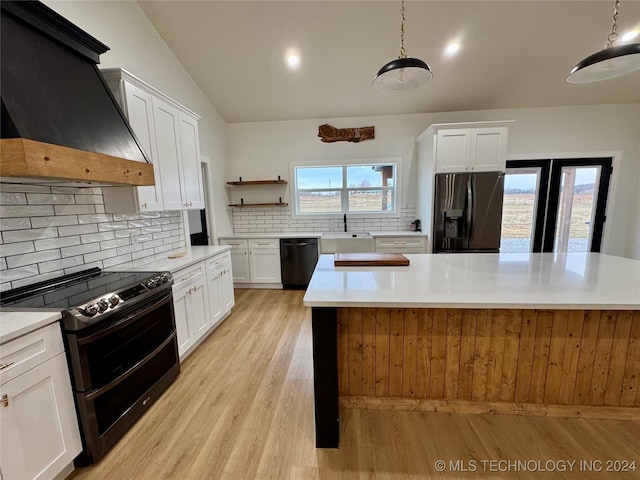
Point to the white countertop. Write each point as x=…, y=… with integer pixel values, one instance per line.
x=490, y=280
x=162, y=262
x=404, y=233
x=16, y=324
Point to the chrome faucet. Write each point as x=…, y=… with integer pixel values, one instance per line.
x=344, y=219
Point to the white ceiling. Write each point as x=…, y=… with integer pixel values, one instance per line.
x=514, y=54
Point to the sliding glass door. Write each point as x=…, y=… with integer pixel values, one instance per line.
x=554, y=205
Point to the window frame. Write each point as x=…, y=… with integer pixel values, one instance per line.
x=345, y=189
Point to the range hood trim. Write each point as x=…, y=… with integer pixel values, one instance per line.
x=23, y=158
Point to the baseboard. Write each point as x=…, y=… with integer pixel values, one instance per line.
x=268, y=286
x=491, y=408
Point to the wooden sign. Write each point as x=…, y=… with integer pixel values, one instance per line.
x=331, y=134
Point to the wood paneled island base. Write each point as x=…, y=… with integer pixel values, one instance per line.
x=537, y=334
x=503, y=361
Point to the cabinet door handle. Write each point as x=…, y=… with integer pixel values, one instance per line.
x=5, y=400
x=6, y=365
x=143, y=205
x=399, y=243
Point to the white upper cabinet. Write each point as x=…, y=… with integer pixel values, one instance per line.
x=471, y=149
x=168, y=133
x=169, y=153
x=191, y=171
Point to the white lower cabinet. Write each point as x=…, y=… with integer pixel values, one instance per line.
x=401, y=244
x=255, y=260
x=191, y=306
x=220, y=285
x=39, y=437
x=202, y=297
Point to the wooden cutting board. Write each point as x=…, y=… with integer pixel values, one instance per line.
x=369, y=260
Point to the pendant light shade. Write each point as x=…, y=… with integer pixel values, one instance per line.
x=404, y=73
x=612, y=62
x=609, y=63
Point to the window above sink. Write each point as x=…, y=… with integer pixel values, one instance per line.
x=346, y=188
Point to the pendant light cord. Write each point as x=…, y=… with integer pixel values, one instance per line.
x=613, y=36
x=402, y=52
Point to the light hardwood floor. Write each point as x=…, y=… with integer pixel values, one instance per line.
x=242, y=408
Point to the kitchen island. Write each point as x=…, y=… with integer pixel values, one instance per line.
x=538, y=334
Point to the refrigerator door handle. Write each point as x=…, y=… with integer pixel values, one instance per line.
x=470, y=208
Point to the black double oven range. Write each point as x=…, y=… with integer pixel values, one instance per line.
x=120, y=338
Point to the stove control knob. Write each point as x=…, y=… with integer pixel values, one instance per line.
x=166, y=277
x=150, y=284
x=115, y=300
x=103, y=304
x=91, y=309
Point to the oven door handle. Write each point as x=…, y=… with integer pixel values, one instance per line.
x=96, y=393
x=145, y=309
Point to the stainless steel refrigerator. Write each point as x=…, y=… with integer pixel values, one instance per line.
x=468, y=212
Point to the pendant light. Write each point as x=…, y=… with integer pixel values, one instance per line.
x=611, y=62
x=404, y=73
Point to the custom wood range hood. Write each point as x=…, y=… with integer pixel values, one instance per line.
x=59, y=120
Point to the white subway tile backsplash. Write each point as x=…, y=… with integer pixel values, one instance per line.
x=49, y=199
x=95, y=218
x=12, y=274
x=61, y=220
x=31, y=258
x=46, y=267
x=112, y=262
x=97, y=237
x=17, y=248
x=8, y=211
x=129, y=248
x=12, y=198
x=120, y=217
x=23, y=188
x=88, y=199
x=119, y=242
x=103, y=227
x=139, y=223
x=101, y=255
x=82, y=266
x=40, y=278
x=25, y=235
x=51, y=243
x=50, y=231
x=7, y=224
x=77, y=230
x=74, y=209
x=80, y=249
x=73, y=190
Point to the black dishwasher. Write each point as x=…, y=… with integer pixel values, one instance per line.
x=298, y=258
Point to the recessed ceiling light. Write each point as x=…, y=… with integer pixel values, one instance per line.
x=630, y=35
x=452, y=48
x=293, y=61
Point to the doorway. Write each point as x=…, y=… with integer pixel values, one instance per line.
x=555, y=205
x=198, y=221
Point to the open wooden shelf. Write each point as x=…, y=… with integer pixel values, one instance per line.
x=277, y=204
x=259, y=182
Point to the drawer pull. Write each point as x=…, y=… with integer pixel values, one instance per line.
x=184, y=279
x=399, y=243
x=6, y=365
x=5, y=400
x=234, y=244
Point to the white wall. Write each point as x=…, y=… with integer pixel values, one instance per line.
x=137, y=47
x=265, y=149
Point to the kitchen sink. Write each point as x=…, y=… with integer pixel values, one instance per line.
x=346, y=242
